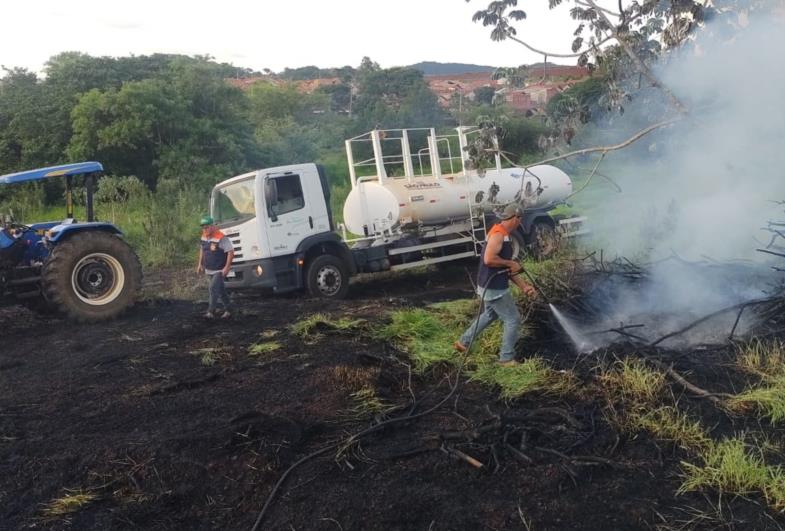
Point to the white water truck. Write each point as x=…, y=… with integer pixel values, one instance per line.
x=413, y=202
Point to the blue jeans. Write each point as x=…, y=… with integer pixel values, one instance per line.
x=503, y=308
x=217, y=292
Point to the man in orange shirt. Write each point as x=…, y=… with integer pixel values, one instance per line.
x=216, y=253
x=493, y=279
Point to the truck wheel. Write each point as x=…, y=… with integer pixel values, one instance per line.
x=544, y=240
x=92, y=276
x=327, y=277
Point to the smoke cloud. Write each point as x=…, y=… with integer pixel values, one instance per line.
x=699, y=191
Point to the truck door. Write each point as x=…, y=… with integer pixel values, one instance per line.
x=293, y=208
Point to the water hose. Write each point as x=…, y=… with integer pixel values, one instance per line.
x=535, y=285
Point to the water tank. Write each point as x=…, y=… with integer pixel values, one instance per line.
x=373, y=207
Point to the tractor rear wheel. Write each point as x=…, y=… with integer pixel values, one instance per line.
x=92, y=276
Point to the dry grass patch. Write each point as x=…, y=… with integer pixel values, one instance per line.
x=366, y=403
x=70, y=503
x=354, y=378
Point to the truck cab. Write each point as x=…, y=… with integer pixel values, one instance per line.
x=278, y=219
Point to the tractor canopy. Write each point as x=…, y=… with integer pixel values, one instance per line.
x=63, y=170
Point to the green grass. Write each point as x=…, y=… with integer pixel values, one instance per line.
x=763, y=359
x=461, y=310
x=632, y=380
x=532, y=374
x=670, y=424
x=766, y=361
x=260, y=349
x=769, y=399
x=732, y=467
x=311, y=329
x=207, y=356
x=427, y=334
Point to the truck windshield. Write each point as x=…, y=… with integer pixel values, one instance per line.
x=234, y=202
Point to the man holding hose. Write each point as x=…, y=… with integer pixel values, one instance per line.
x=493, y=280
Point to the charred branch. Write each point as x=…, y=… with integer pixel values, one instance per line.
x=711, y=316
x=782, y=255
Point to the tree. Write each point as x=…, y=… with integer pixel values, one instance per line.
x=514, y=77
x=394, y=97
x=484, y=95
x=23, y=122
x=188, y=125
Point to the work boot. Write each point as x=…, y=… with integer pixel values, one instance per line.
x=460, y=347
x=507, y=363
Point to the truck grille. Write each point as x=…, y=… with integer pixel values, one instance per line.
x=238, y=248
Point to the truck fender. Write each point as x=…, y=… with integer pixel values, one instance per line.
x=326, y=243
x=530, y=218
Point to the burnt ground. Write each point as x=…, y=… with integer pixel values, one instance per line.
x=131, y=413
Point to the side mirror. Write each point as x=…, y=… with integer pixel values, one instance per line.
x=271, y=197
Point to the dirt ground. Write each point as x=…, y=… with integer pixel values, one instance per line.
x=167, y=422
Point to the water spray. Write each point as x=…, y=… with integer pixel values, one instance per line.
x=581, y=343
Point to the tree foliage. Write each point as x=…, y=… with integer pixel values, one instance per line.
x=187, y=124
x=392, y=98
x=179, y=118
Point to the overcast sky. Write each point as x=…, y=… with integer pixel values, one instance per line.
x=275, y=33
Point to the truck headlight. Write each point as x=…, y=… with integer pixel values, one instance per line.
x=258, y=270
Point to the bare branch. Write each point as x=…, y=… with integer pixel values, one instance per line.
x=593, y=172
x=606, y=11
x=637, y=136
x=560, y=55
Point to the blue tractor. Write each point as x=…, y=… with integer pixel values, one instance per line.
x=85, y=270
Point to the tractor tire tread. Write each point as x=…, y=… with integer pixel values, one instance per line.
x=56, y=275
